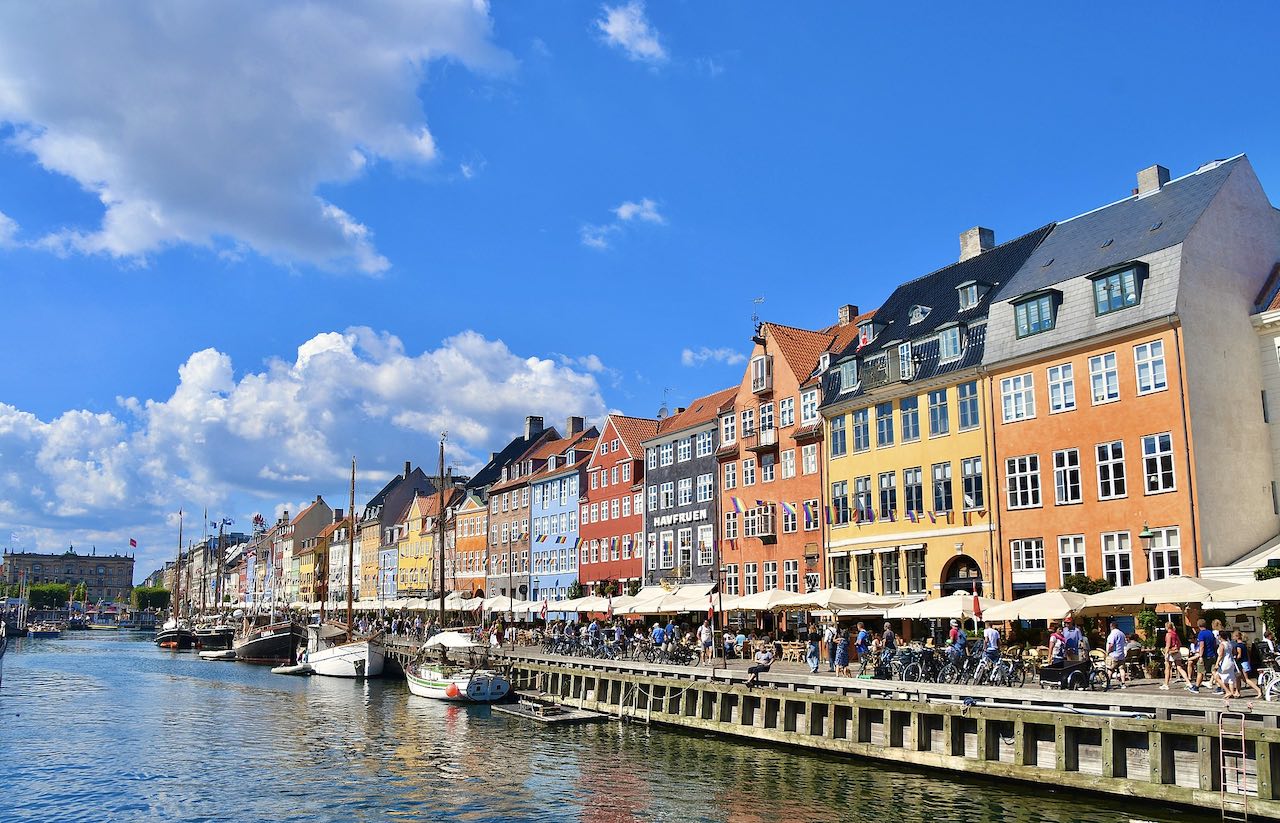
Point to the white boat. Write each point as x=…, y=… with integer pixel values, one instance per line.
x=445, y=680
x=330, y=653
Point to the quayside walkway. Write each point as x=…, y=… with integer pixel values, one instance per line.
x=1171, y=747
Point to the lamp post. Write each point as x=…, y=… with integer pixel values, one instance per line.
x=1146, y=535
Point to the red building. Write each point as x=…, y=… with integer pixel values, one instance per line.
x=611, y=521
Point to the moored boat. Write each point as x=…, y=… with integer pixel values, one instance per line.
x=330, y=652
x=445, y=680
x=276, y=643
x=4, y=645
x=214, y=638
x=175, y=634
x=46, y=630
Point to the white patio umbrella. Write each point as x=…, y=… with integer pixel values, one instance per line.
x=1265, y=590
x=1051, y=605
x=959, y=606
x=835, y=600
x=1180, y=591
x=761, y=601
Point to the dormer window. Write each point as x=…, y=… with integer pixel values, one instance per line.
x=824, y=361
x=1035, y=314
x=848, y=375
x=866, y=333
x=918, y=313
x=970, y=293
x=906, y=368
x=1119, y=289
x=551, y=463
x=950, y=344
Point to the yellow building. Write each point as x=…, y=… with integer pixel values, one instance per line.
x=907, y=497
x=417, y=549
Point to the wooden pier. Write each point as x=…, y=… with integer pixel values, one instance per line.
x=1166, y=748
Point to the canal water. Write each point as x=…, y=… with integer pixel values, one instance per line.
x=114, y=729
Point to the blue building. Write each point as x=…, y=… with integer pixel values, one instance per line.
x=556, y=488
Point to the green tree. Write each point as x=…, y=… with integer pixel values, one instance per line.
x=575, y=590
x=633, y=588
x=49, y=595
x=150, y=597
x=1086, y=585
x=79, y=593
x=1267, y=611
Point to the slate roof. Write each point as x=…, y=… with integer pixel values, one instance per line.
x=702, y=410
x=1135, y=226
x=492, y=471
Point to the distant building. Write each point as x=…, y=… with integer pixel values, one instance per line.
x=106, y=576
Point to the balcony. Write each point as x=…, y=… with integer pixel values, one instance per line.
x=761, y=522
x=762, y=440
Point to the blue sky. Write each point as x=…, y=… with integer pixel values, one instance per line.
x=463, y=215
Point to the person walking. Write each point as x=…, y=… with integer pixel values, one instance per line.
x=829, y=639
x=1172, y=655
x=1115, y=652
x=813, y=653
x=842, y=655
x=862, y=642
x=706, y=641
x=1241, y=650
x=1057, y=645
x=1204, y=654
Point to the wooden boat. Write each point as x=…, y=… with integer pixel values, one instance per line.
x=214, y=638
x=46, y=630
x=175, y=634
x=332, y=652
x=455, y=682
x=4, y=645
x=275, y=643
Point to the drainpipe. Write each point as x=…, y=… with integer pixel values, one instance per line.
x=994, y=536
x=1172, y=320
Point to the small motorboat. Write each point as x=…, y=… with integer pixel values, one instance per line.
x=456, y=682
x=299, y=669
x=219, y=654
x=46, y=630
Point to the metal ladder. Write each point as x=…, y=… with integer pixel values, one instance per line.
x=1239, y=779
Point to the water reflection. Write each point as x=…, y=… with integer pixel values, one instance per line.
x=112, y=728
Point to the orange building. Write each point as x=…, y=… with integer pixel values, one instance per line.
x=471, y=545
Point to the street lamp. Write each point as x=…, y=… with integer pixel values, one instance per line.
x=1146, y=535
x=534, y=595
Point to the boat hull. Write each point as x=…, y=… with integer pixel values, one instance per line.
x=179, y=639
x=363, y=658
x=467, y=687
x=216, y=638
x=277, y=645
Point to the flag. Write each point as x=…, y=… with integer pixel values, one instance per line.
x=761, y=503
x=737, y=504
x=808, y=516
x=912, y=516
x=788, y=508
x=977, y=608
x=562, y=539
x=133, y=544
x=891, y=518
x=711, y=604
x=544, y=608
x=827, y=514
x=933, y=517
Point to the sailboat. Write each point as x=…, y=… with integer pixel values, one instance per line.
x=444, y=679
x=333, y=649
x=4, y=645
x=176, y=632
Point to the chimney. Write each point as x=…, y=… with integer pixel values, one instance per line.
x=408, y=469
x=975, y=241
x=573, y=425
x=532, y=427
x=318, y=499
x=1152, y=179
x=337, y=515
x=846, y=313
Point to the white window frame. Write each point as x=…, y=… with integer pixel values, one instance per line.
x=1157, y=451
x=788, y=463
x=748, y=471
x=949, y=345
x=730, y=476
x=1104, y=378
x=786, y=412
x=1027, y=554
x=1071, y=556
x=1149, y=367
x=808, y=406
x=1062, y=388
x=1117, y=558
x=1166, y=552
x=728, y=429
x=684, y=450
x=1068, y=486
x=1022, y=481
x=1107, y=474
x=809, y=458
x=1018, y=397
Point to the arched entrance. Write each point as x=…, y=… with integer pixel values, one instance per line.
x=479, y=593
x=962, y=573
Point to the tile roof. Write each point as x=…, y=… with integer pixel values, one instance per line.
x=702, y=410
x=633, y=431
x=800, y=347
x=1120, y=232
x=328, y=530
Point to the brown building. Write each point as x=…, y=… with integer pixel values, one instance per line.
x=106, y=576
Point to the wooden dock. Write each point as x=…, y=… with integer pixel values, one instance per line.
x=543, y=708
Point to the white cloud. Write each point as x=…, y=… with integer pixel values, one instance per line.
x=703, y=354
x=597, y=237
x=8, y=230
x=627, y=28
x=217, y=125
x=645, y=210
x=245, y=443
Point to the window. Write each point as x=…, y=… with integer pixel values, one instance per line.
x=788, y=463
x=604, y=510
x=1104, y=378
x=848, y=375
x=862, y=497
x=1166, y=556
x=684, y=449
x=1148, y=363
x=729, y=575
x=968, y=295
x=1111, y=482
x=706, y=487
x=888, y=493
x=1034, y=315
x=786, y=412
x=653, y=551
x=595, y=480
x=626, y=471
x=967, y=401
x=939, y=423
x=809, y=459
x=809, y=406
x=906, y=367
x=866, y=573
x=666, y=550
x=840, y=503
x=913, y=490
x=730, y=476
x=771, y=574
x=766, y=468
x=861, y=430
x=789, y=520
x=614, y=472
x=909, y=411
x=651, y=457
x=748, y=422
x=505, y=500
x=766, y=416
x=884, y=424
x=667, y=495
x=915, y=571
x=637, y=503
x=942, y=488
x=837, y=436
x=704, y=446
x=728, y=429
x=665, y=452
x=752, y=580
x=811, y=512
x=791, y=575
x=604, y=478
x=1066, y=477
x=684, y=548
x=761, y=374
x=653, y=498
x=1071, y=555
x=1022, y=474
x=615, y=444
x=1115, y=291
x=1028, y=554
x=1062, y=388
x=706, y=545
x=749, y=471
x=524, y=498
x=890, y=579
x=1018, y=397
x=1117, y=560
x=684, y=492
x=506, y=533
x=949, y=343
x=730, y=525
x=971, y=479
x=1157, y=462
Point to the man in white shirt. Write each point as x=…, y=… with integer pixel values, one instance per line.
x=1116, y=652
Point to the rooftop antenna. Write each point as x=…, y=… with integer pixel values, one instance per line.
x=755, y=321
x=663, y=411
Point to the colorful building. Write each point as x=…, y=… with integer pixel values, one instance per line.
x=1128, y=439
x=376, y=534
x=611, y=511
x=509, y=510
x=906, y=503
x=471, y=530
x=556, y=488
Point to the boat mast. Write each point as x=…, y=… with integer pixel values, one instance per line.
x=351, y=547
x=204, y=562
x=440, y=528
x=177, y=572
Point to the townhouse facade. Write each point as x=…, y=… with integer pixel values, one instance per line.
x=343, y=547
x=510, y=506
x=681, y=504
x=377, y=530
x=611, y=509
x=556, y=490
x=471, y=528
